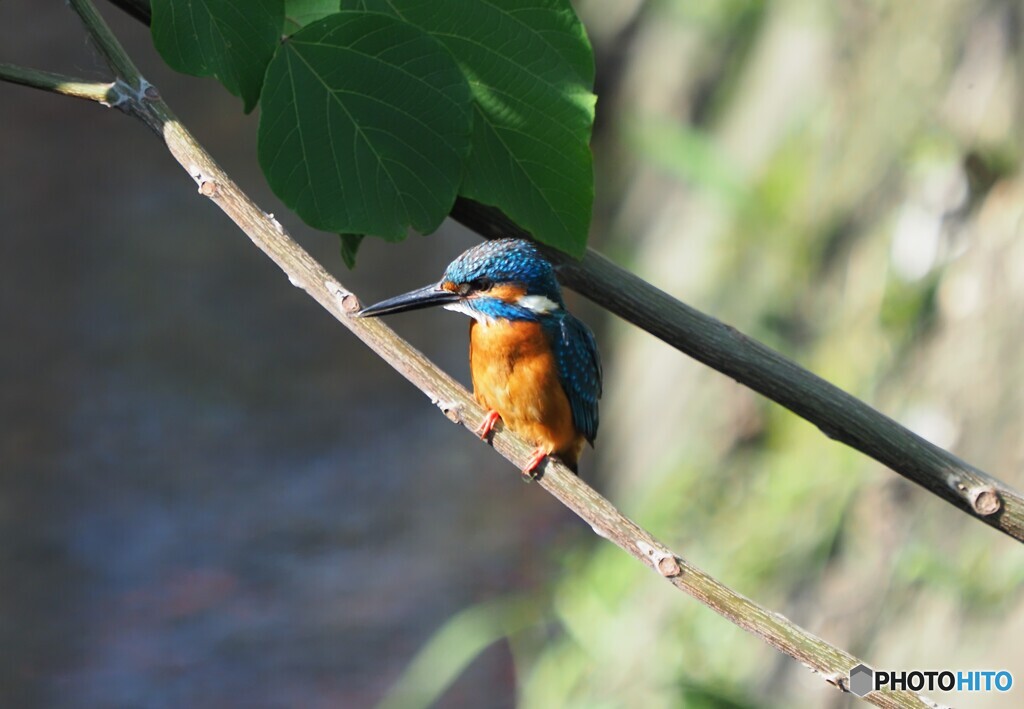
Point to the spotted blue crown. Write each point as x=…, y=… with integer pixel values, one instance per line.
x=507, y=261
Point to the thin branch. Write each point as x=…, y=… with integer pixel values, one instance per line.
x=458, y=405
x=113, y=54
x=836, y=413
x=59, y=83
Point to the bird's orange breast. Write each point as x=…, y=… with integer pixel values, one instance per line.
x=515, y=373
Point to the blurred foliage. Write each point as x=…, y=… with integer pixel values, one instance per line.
x=842, y=181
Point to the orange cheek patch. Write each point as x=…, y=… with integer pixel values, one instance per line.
x=509, y=292
x=450, y=287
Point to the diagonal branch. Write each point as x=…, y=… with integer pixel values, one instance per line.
x=839, y=415
x=303, y=271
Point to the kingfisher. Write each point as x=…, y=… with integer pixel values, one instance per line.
x=534, y=366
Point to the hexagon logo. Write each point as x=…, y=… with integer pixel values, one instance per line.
x=862, y=680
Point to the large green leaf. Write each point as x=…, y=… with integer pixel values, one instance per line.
x=365, y=126
x=531, y=70
x=232, y=40
x=299, y=13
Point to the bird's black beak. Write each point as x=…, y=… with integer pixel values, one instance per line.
x=426, y=297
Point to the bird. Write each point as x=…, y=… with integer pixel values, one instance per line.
x=534, y=365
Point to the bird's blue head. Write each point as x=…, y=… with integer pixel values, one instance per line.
x=500, y=279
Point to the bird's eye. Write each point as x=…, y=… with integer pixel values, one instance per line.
x=481, y=284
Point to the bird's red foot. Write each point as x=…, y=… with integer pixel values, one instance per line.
x=530, y=472
x=487, y=426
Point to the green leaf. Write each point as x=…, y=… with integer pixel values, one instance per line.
x=231, y=40
x=530, y=66
x=299, y=13
x=349, y=246
x=365, y=125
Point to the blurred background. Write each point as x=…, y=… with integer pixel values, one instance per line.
x=212, y=495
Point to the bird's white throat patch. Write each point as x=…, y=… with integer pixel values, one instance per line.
x=460, y=307
x=538, y=303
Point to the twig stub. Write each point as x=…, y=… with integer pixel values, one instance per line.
x=985, y=500
x=668, y=566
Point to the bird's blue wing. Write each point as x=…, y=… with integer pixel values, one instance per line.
x=579, y=370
